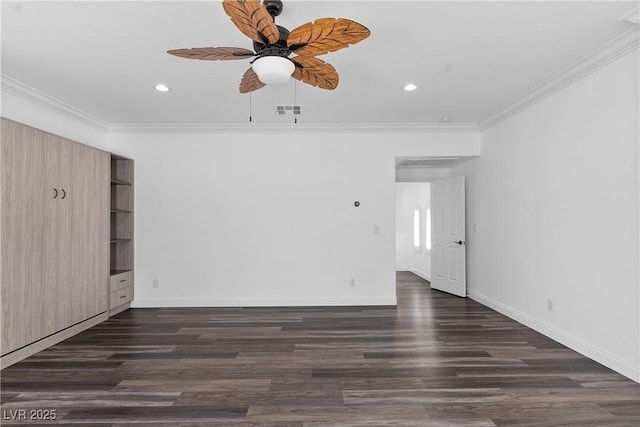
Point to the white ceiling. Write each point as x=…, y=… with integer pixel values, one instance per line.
x=468, y=59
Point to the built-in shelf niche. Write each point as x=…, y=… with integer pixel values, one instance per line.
x=121, y=215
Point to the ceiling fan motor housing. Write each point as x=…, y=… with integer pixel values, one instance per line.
x=279, y=48
x=274, y=7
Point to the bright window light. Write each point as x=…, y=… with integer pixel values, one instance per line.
x=427, y=229
x=416, y=230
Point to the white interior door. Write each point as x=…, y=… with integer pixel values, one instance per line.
x=448, y=237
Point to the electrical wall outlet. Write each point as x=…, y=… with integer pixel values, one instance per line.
x=549, y=304
x=352, y=283
x=156, y=283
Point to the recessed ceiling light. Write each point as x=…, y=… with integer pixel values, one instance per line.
x=445, y=119
x=409, y=87
x=161, y=88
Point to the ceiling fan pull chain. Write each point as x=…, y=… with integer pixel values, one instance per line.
x=250, y=107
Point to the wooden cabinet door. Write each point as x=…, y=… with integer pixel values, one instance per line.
x=26, y=202
x=79, y=259
x=89, y=248
x=59, y=263
x=54, y=239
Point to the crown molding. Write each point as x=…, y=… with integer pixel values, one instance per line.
x=618, y=47
x=22, y=91
x=633, y=16
x=302, y=128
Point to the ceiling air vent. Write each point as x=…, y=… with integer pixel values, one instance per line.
x=288, y=110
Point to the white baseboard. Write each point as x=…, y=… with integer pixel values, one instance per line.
x=261, y=302
x=420, y=273
x=575, y=343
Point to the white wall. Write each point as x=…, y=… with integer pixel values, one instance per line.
x=268, y=218
x=409, y=197
x=555, y=199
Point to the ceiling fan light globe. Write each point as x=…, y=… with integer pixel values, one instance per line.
x=273, y=70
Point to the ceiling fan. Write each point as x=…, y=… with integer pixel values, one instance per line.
x=273, y=45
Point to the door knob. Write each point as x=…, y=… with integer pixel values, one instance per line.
x=459, y=242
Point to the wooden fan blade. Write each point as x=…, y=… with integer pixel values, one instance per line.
x=212, y=53
x=250, y=82
x=326, y=35
x=252, y=19
x=315, y=72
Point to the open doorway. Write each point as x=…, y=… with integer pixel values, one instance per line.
x=413, y=228
x=416, y=179
x=413, y=208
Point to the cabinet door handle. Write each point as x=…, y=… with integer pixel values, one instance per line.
x=123, y=296
x=64, y=194
x=123, y=280
x=55, y=190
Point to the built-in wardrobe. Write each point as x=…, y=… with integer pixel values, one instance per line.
x=56, y=214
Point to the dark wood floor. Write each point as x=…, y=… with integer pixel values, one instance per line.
x=435, y=360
